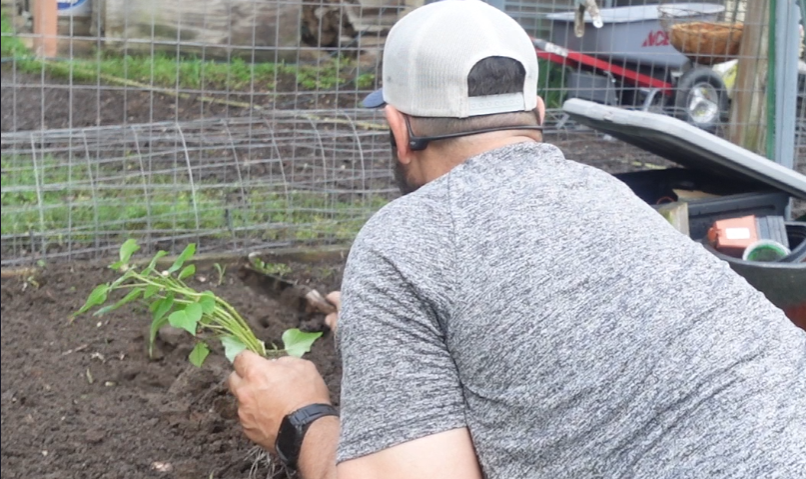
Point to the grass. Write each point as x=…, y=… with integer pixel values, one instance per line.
x=79, y=213
x=123, y=208
x=12, y=46
x=188, y=73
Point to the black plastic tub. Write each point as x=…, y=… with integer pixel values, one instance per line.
x=784, y=284
x=744, y=183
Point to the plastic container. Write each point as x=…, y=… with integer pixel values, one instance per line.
x=746, y=182
x=765, y=251
x=733, y=236
x=74, y=8
x=736, y=198
x=632, y=34
x=782, y=283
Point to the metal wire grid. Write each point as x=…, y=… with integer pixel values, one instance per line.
x=201, y=59
x=222, y=59
x=207, y=129
x=313, y=177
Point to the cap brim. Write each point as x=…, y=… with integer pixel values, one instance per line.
x=374, y=99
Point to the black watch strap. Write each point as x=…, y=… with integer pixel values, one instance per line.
x=293, y=429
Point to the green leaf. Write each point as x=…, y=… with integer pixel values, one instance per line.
x=160, y=308
x=187, y=319
x=150, y=291
x=99, y=294
x=188, y=270
x=194, y=311
x=154, y=260
x=154, y=305
x=199, y=354
x=133, y=294
x=155, y=328
x=179, y=319
x=121, y=280
x=127, y=249
x=232, y=347
x=96, y=297
x=165, y=305
x=207, y=302
x=297, y=343
x=188, y=253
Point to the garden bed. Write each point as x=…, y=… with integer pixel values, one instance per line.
x=82, y=399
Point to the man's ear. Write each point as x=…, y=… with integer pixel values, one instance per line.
x=541, y=110
x=397, y=124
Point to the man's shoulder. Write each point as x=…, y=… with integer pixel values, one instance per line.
x=408, y=244
x=408, y=218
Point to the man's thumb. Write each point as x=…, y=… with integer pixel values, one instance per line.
x=335, y=299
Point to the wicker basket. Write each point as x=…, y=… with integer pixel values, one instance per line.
x=704, y=42
x=707, y=43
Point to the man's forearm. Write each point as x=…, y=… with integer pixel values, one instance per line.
x=317, y=459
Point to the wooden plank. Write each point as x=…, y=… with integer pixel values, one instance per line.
x=338, y=22
x=676, y=214
x=269, y=29
x=378, y=16
x=748, y=116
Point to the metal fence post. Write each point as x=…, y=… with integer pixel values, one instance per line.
x=787, y=18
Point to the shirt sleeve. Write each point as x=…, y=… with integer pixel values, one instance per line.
x=399, y=381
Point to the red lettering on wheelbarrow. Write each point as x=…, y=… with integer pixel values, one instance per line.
x=656, y=39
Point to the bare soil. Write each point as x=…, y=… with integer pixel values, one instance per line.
x=83, y=399
x=33, y=102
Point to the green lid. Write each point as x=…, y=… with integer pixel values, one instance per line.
x=765, y=251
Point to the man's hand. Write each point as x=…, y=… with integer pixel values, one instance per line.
x=268, y=390
x=333, y=318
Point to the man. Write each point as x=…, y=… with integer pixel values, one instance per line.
x=520, y=315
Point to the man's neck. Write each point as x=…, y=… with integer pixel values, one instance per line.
x=443, y=160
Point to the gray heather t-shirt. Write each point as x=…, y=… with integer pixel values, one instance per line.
x=542, y=305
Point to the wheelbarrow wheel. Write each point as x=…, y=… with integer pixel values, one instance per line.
x=701, y=98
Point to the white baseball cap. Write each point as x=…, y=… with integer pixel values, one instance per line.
x=430, y=52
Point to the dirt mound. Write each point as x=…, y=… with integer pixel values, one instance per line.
x=83, y=399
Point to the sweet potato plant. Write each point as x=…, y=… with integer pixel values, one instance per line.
x=202, y=314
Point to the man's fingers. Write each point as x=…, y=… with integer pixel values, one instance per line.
x=234, y=382
x=331, y=320
x=245, y=362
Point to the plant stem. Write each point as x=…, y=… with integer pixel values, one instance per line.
x=223, y=321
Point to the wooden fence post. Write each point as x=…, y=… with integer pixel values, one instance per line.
x=748, y=116
x=46, y=23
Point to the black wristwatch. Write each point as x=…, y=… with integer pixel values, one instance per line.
x=293, y=429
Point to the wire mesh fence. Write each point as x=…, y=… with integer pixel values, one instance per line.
x=224, y=184
x=235, y=123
